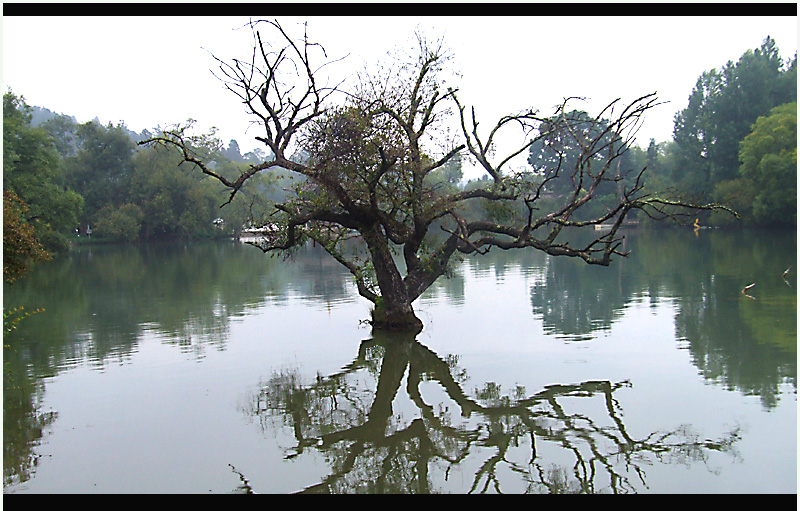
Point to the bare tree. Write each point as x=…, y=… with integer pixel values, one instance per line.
x=366, y=165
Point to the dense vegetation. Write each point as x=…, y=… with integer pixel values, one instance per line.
x=724, y=146
x=735, y=142
x=94, y=180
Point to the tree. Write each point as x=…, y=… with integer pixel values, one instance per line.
x=102, y=168
x=20, y=246
x=173, y=202
x=652, y=154
x=769, y=160
x=559, y=149
x=232, y=152
x=722, y=108
x=21, y=250
x=252, y=204
x=32, y=170
x=120, y=224
x=451, y=172
x=62, y=128
x=557, y=157
x=364, y=190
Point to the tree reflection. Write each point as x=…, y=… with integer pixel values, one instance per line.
x=102, y=300
x=24, y=423
x=512, y=442
x=746, y=344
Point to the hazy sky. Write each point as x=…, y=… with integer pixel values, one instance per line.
x=150, y=71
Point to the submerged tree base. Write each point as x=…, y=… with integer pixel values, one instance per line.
x=395, y=322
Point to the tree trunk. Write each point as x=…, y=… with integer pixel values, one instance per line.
x=393, y=310
x=399, y=318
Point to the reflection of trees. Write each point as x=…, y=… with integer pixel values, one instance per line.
x=99, y=302
x=749, y=345
x=320, y=277
x=577, y=300
x=744, y=344
x=373, y=447
x=23, y=423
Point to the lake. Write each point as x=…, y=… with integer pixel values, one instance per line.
x=212, y=368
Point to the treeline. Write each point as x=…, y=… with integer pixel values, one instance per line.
x=736, y=140
x=66, y=179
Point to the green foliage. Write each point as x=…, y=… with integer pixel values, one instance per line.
x=32, y=170
x=559, y=155
x=556, y=156
x=90, y=175
x=20, y=250
x=722, y=108
x=703, y=159
x=20, y=246
x=769, y=159
x=173, y=200
x=54, y=242
x=450, y=173
x=120, y=224
x=62, y=128
x=102, y=168
x=14, y=316
x=738, y=194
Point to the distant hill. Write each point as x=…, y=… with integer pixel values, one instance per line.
x=40, y=115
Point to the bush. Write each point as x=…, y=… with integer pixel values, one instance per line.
x=21, y=248
x=54, y=242
x=120, y=224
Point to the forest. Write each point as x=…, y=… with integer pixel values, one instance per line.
x=65, y=182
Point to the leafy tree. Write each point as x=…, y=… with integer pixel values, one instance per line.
x=121, y=224
x=451, y=172
x=32, y=170
x=172, y=202
x=364, y=192
x=739, y=195
x=652, y=154
x=253, y=203
x=722, y=108
x=20, y=246
x=102, y=168
x=558, y=159
x=21, y=250
x=769, y=161
x=62, y=128
x=559, y=150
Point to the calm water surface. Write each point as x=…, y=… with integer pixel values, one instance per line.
x=211, y=368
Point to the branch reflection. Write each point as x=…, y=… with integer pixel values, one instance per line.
x=511, y=443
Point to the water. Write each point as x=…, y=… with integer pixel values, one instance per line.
x=211, y=368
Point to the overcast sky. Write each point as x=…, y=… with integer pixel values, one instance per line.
x=150, y=71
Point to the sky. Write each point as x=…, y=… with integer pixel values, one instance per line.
x=156, y=71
